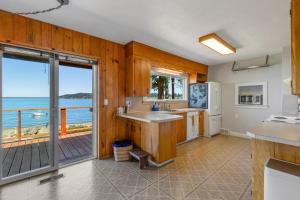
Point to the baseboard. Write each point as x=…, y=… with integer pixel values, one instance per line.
x=161, y=164
x=235, y=134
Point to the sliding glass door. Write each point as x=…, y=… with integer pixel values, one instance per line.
x=47, y=116
x=27, y=138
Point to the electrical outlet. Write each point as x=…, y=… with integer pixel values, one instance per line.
x=236, y=116
x=128, y=103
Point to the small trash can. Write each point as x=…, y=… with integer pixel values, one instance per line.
x=121, y=150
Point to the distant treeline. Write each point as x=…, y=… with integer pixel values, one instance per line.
x=77, y=96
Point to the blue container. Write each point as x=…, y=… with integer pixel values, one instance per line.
x=155, y=108
x=122, y=143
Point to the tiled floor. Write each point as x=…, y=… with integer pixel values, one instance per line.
x=208, y=169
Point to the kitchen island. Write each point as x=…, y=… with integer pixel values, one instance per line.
x=272, y=140
x=154, y=133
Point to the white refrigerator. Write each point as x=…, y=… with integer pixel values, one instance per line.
x=207, y=96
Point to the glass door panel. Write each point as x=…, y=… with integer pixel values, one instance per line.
x=75, y=140
x=25, y=136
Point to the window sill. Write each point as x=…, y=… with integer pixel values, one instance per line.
x=252, y=106
x=150, y=101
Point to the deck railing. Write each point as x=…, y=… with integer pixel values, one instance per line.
x=63, y=117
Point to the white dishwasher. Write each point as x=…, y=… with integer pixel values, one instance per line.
x=281, y=180
x=192, y=125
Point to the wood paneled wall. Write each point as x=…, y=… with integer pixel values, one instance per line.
x=18, y=30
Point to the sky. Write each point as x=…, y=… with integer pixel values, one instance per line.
x=31, y=79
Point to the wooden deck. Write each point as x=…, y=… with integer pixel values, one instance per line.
x=29, y=156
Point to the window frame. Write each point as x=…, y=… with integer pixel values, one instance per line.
x=264, y=93
x=159, y=72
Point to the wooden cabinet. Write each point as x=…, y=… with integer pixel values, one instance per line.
x=138, y=72
x=140, y=58
x=262, y=151
x=159, y=140
x=201, y=123
x=197, y=78
x=134, y=132
x=181, y=128
x=295, y=24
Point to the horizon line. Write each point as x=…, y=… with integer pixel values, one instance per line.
x=44, y=96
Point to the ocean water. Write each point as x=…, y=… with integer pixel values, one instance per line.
x=10, y=119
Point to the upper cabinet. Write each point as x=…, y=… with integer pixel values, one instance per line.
x=138, y=71
x=295, y=24
x=139, y=60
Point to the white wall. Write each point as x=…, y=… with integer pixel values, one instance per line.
x=240, y=119
x=286, y=70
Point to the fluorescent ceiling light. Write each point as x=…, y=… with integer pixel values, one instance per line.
x=216, y=43
x=167, y=71
x=253, y=67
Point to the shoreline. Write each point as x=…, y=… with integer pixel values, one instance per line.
x=41, y=129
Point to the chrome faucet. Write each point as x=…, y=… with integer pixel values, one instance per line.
x=166, y=106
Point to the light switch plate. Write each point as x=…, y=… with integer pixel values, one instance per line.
x=105, y=102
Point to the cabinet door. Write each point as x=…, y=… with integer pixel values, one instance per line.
x=201, y=123
x=129, y=76
x=181, y=129
x=142, y=72
x=134, y=129
x=295, y=16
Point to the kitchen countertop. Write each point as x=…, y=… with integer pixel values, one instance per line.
x=150, y=117
x=277, y=132
x=179, y=110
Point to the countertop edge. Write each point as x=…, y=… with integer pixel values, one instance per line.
x=273, y=139
x=178, y=117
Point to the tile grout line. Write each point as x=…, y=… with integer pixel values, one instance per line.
x=106, y=178
x=156, y=181
x=133, y=170
x=213, y=173
x=165, y=177
x=208, y=176
x=152, y=183
x=245, y=190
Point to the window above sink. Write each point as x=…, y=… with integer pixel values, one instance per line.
x=167, y=85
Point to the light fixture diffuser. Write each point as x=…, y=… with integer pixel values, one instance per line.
x=216, y=43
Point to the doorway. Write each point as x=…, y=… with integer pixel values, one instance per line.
x=76, y=139
x=48, y=111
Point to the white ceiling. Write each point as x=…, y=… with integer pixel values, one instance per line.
x=255, y=27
